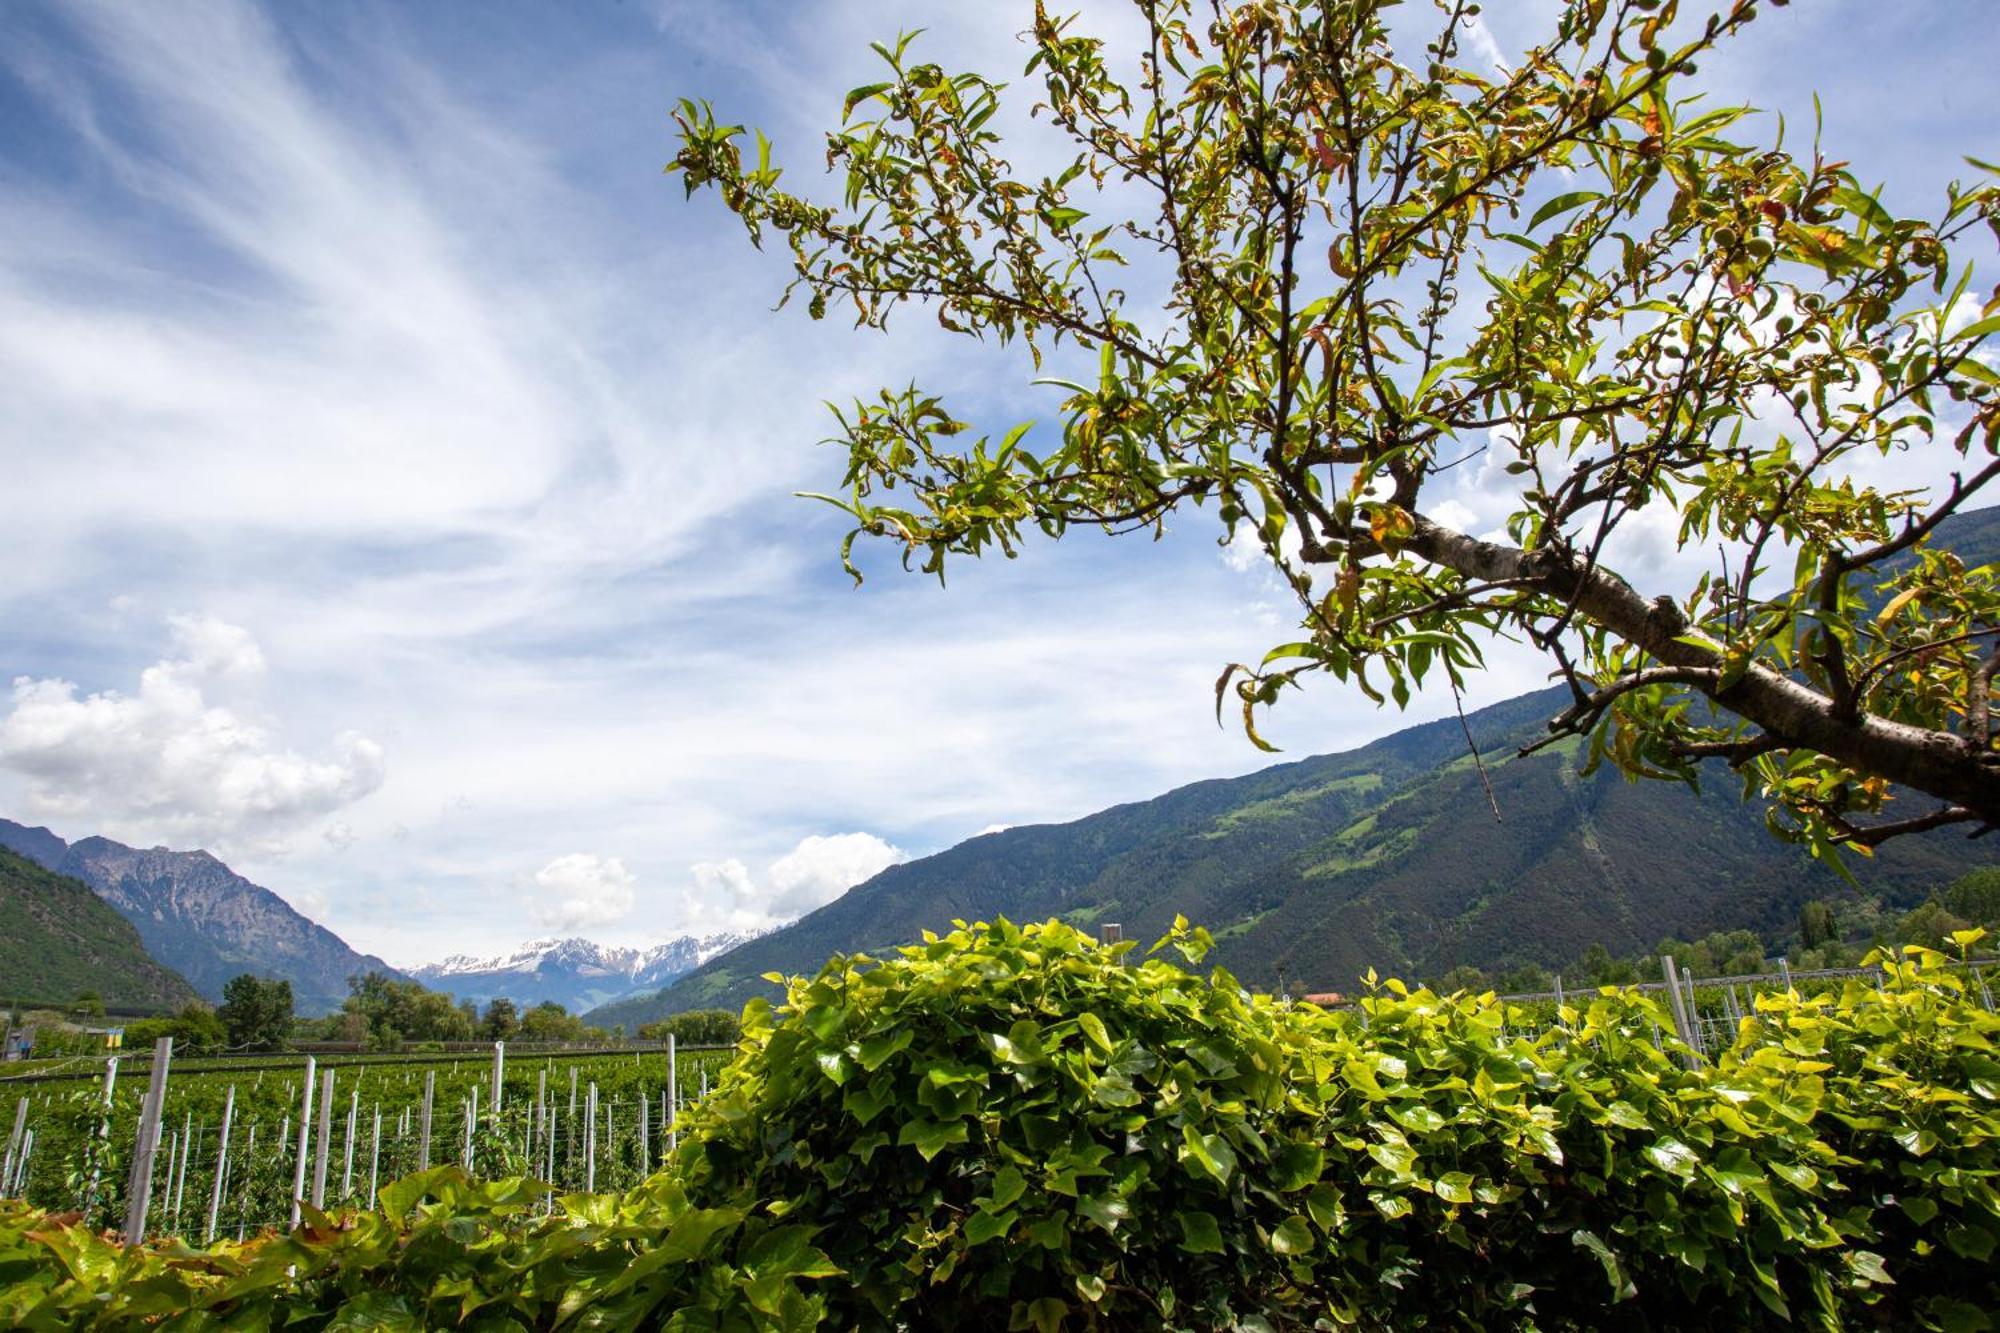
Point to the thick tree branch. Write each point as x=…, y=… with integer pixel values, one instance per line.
x=1936, y=762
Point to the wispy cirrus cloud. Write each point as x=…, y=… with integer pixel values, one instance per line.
x=376, y=334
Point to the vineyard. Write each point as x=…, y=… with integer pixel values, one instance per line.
x=1026, y=1125
x=235, y=1142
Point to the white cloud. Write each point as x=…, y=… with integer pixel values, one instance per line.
x=581, y=890
x=820, y=869
x=724, y=881
x=168, y=762
x=815, y=872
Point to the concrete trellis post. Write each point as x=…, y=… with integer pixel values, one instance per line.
x=167, y=1194
x=549, y=1147
x=424, y=1130
x=499, y=1067
x=325, y=1138
x=645, y=1138
x=1694, y=1013
x=221, y=1167
x=673, y=1111
x=374, y=1155
x=590, y=1143
x=347, y=1153
x=541, y=1123
x=103, y=1132
x=181, y=1174
x=16, y=1137
x=139, y=1187
x=1675, y=1004
x=305, y=1140
x=250, y=1154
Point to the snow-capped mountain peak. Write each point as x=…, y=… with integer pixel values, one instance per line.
x=576, y=973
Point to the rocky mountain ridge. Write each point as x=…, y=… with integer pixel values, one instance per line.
x=202, y=919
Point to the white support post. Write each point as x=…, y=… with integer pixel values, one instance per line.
x=139, y=1187
x=673, y=1094
x=103, y=1133
x=167, y=1194
x=424, y=1132
x=221, y=1167
x=499, y=1069
x=374, y=1155
x=347, y=1152
x=305, y=1141
x=325, y=1138
x=590, y=1143
x=541, y=1111
x=645, y=1138
x=471, y=1121
x=15, y=1138
x=181, y=1173
x=549, y=1147
x=1694, y=1014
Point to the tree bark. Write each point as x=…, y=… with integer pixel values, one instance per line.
x=1937, y=762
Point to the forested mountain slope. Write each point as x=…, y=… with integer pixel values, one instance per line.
x=1385, y=856
x=59, y=939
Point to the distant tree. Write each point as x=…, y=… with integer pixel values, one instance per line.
x=196, y=1029
x=256, y=1012
x=1930, y=924
x=1976, y=896
x=88, y=1004
x=1365, y=257
x=1521, y=979
x=550, y=1022
x=392, y=1010
x=696, y=1027
x=502, y=1020
x=1602, y=969
x=1817, y=925
x=1464, y=977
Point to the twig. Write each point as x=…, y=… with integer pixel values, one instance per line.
x=1477, y=762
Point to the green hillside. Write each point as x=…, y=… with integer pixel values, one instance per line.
x=59, y=939
x=1387, y=856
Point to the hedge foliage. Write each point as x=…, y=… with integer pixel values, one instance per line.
x=1008, y=1127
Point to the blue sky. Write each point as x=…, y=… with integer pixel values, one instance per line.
x=398, y=472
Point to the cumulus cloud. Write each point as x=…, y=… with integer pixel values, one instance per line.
x=812, y=874
x=579, y=890
x=820, y=869
x=167, y=761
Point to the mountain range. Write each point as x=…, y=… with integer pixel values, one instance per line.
x=1387, y=856
x=202, y=919
x=575, y=973
x=61, y=940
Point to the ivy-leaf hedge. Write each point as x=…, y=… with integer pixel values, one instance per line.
x=1008, y=1127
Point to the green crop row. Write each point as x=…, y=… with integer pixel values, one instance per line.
x=1007, y=1127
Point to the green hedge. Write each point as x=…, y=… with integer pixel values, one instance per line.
x=1006, y=1127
